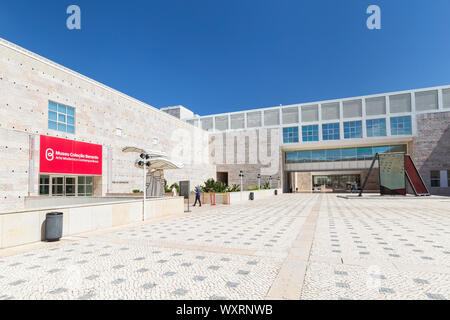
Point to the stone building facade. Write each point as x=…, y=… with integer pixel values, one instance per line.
x=103, y=116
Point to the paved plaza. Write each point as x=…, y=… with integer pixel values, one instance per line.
x=303, y=246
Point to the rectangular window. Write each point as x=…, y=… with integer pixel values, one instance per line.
x=435, y=179
x=310, y=133
x=290, y=135
x=353, y=129
x=330, y=131
x=345, y=154
x=401, y=126
x=85, y=186
x=44, y=185
x=376, y=128
x=61, y=117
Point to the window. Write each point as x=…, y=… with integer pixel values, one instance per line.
x=352, y=109
x=435, y=178
x=344, y=154
x=290, y=135
x=61, y=117
x=400, y=103
x=376, y=128
x=85, y=186
x=401, y=126
x=426, y=100
x=330, y=131
x=375, y=106
x=66, y=186
x=310, y=133
x=44, y=185
x=353, y=129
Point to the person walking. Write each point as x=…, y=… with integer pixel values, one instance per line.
x=197, y=196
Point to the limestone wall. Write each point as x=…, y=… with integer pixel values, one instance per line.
x=28, y=82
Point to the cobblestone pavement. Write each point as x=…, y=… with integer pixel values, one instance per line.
x=380, y=249
x=361, y=249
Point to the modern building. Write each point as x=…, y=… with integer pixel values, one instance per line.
x=63, y=135
x=329, y=145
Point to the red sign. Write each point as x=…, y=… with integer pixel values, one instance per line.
x=70, y=157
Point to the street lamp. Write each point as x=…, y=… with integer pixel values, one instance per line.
x=241, y=175
x=259, y=180
x=270, y=182
x=144, y=163
x=279, y=182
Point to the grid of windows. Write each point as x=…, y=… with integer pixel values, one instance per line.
x=60, y=186
x=290, y=135
x=435, y=178
x=345, y=154
x=353, y=129
x=310, y=133
x=330, y=131
x=61, y=117
x=401, y=126
x=376, y=128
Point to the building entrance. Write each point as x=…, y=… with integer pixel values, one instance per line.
x=336, y=183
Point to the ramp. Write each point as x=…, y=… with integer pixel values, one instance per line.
x=414, y=178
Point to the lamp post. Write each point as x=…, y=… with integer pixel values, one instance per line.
x=259, y=180
x=270, y=182
x=144, y=163
x=279, y=182
x=241, y=175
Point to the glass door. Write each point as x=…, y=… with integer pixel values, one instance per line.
x=70, y=186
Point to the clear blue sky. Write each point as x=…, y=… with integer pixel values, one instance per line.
x=220, y=56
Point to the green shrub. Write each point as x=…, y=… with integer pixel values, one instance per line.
x=137, y=191
x=253, y=188
x=234, y=188
x=266, y=186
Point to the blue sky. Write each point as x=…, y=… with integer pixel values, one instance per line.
x=221, y=56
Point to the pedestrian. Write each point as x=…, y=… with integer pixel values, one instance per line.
x=197, y=196
x=174, y=191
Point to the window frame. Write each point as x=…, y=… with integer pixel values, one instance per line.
x=54, y=122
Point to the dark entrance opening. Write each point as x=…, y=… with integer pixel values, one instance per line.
x=222, y=177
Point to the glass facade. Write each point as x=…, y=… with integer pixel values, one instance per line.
x=290, y=135
x=61, y=117
x=337, y=182
x=342, y=154
x=401, y=126
x=353, y=129
x=330, y=131
x=66, y=186
x=376, y=128
x=310, y=133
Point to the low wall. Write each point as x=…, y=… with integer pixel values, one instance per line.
x=27, y=226
x=46, y=202
x=237, y=197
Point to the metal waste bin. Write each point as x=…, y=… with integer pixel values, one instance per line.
x=53, y=226
x=252, y=196
x=276, y=192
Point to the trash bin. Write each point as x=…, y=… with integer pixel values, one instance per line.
x=276, y=192
x=53, y=226
x=252, y=196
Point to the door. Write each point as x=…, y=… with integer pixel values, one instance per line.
x=70, y=186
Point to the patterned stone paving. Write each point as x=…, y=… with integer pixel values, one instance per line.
x=362, y=249
x=223, y=253
x=380, y=249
